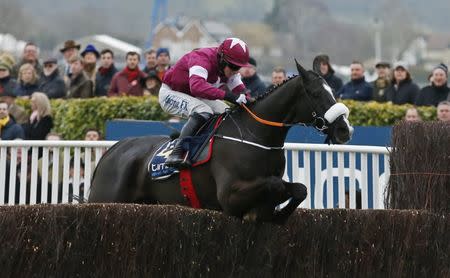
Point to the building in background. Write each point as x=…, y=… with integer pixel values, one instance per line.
x=182, y=34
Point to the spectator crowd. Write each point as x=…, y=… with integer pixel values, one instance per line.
x=88, y=72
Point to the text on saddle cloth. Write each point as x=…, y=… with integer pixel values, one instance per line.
x=198, y=149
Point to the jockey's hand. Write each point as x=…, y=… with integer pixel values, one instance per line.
x=236, y=99
x=241, y=99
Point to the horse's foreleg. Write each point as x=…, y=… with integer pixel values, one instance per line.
x=244, y=196
x=298, y=193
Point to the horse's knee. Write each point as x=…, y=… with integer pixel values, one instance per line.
x=299, y=191
x=296, y=190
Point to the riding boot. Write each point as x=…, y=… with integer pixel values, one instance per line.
x=177, y=158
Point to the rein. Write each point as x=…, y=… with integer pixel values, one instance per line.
x=266, y=122
x=279, y=124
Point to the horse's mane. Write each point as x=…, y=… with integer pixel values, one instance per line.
x=272, y=89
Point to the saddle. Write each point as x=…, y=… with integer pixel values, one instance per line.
x=198, y=148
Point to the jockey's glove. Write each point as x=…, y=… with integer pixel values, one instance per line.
x=237, y=99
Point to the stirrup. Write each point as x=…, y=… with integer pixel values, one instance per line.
x=180, y=162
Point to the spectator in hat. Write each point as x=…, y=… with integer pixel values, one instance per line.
x=436, y=92
x=28, y=81
x=30, y=56
x=80, y=86
x=357, y=88
x=9, y=129
x=15, y=111
x=322, y=66
x=150, y=59
x=128, y=82
x=251, y=79
x=382, y=82
x=7, y=83
x=402, y=89
x=162, y=61
x=51, y=82
x=90, y=56
x=152, y=84
x=105, y=73
x=443, y=111
x=278, y=77
x=69, y=50
x=8, y=59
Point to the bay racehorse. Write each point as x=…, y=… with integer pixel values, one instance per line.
x=243, y=178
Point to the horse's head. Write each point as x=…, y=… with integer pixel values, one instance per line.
x=325, y=114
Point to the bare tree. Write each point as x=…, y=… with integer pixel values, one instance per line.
x=398, y=27
x=312, y=29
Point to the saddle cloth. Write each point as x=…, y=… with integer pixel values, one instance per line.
x=199, y=148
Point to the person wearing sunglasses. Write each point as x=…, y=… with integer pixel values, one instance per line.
x=195, y=87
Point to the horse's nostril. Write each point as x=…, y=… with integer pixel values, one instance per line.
x=342, y=135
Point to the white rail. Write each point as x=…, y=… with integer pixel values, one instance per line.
x=59, y=170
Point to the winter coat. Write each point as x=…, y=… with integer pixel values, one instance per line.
x=380, y=85
x=333, y=81
x=38, y=129
x=120, y=85
x=432, y=95
x=7, y=84
x=405, y=92
x=53, y=85
x=11, y=131
x=25, y=90
x=80, y=87
x=103, y=81
x=357, y=89
x=255, y=85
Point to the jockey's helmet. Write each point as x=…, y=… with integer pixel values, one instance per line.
x=234, y=51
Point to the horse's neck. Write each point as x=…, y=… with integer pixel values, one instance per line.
x=276, y=107
x=279, y=105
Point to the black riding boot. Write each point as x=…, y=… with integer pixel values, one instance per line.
x=176, y=158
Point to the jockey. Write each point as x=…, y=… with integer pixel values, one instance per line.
x=196, y=85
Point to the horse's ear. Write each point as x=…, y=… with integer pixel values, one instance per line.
x=303, y=73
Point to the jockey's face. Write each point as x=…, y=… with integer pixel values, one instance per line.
x=228, y=72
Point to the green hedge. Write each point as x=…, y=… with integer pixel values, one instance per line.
x=73, y=116
x=383, y=114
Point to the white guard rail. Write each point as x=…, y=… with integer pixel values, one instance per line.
x=59, y=170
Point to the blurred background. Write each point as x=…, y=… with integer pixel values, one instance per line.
x=413, y=31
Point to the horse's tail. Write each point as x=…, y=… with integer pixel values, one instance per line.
x=80, y=199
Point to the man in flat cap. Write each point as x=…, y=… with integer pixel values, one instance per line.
x=51, y=82
x=382, y=82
